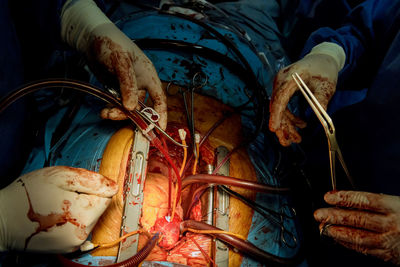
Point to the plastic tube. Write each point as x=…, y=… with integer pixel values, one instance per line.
x=92, y=90
x=225, y=159
x=226, y=180
x=131, y=262
x=205, y=254
x=164, y=144
x=157, y=143
x=208, y=133
x=196, y=197
x=70, y=84
x=197, y=231
x=243, y=246
x=113, y=243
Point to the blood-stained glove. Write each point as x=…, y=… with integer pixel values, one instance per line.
x=366, y=222
x=319, y=69
x=52, y=209
x=85, y=27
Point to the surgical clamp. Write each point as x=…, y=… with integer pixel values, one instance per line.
x=329, y=128
x=148, y=114
x=199, y=80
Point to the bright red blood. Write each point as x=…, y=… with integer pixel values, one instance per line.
x=171, y=247
x=196, y=212
x=169, y=231
x=176, y=152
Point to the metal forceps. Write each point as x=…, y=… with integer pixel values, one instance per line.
x=329, y=128
x=199, y=80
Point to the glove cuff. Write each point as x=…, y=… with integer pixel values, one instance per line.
x=78, y=19
x=330, y=49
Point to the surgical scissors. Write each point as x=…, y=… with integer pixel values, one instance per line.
x=329, y=128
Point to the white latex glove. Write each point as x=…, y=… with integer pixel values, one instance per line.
x=319, y=69
x=85, y=27
x=366, y=222
x=52, y=209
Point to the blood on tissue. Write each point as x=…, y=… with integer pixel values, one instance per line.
x=169, y=231
x=207, y=154
x=188, y=253
x=179, y=250
x=196, y=212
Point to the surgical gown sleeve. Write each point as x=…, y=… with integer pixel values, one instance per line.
x=365, y=36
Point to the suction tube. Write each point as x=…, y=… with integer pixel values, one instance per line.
x=226, y=180
x=99, y=93
x=131, y=262
x=243, y=246
x=70, y=84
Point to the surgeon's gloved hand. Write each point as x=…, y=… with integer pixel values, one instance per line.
x=52, y=209
x=366, y=222
x=85, y=27
x=136, y=74
x=319, y=69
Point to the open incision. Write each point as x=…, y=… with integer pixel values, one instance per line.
x=162, y=212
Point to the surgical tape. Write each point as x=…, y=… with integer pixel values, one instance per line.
x=78, y=20
x=330, y=49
